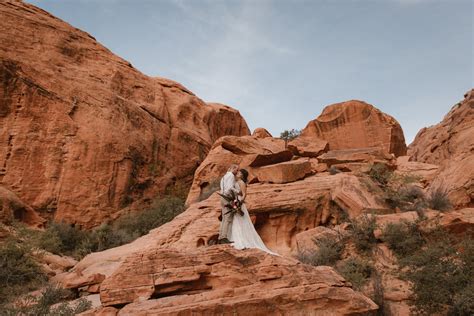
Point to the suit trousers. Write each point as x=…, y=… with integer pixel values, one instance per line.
x=226, y=223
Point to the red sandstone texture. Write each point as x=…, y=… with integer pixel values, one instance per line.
x=356, y=124
x=450, y=144
x=83, y=134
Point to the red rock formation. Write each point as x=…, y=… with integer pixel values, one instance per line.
x=284, y=172
x=248, y=152
x=260, y=132
x=356, y=124
x=82, y=133
x=12, y=208
x=308, y=146
x=450, y=144
x=221, y=280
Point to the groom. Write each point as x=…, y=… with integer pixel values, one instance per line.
x=227, y=185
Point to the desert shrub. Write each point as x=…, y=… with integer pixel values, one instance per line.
x=439, y=200
x=64, y=239
x=441, y=277
x=208, y=189
x=356, y=271
x=403, y=238
x=380, y=173
x=329, y=251
x=47, y=304
x=162, y=211
x=18, y=271
x=362, y=231
x=402, y=192
x=61, y=238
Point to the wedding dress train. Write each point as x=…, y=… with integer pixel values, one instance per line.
x=243, y=233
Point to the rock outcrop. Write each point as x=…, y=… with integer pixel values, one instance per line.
x=261, y=132
x=221, y=280
x=71, y=112
x=356, y=124
x=450, y=144
x=248, y=152
x=14, y=209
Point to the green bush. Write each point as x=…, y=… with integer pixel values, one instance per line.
x=18, y=271
x=356, y=271
x=362, y=231
x=380, y=173
x=401, y=192
x=43, y=304
x=403, y=238
x=441, y=277
x=161, y=212
x=439, y=200
x=61, y=238
x=329, y=251
x=64, y=239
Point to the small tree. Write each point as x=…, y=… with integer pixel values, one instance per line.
x=289, y=135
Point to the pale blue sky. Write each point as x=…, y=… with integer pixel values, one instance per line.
x=280, y=62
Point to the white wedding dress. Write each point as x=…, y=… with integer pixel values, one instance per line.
x=243, y=233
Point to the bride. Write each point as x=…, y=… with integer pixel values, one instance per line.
x=242, y=233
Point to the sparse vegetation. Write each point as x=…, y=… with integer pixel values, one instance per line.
x=439, y=199
x=48, y=304
x=289, y=135
x=19, y=273
x=65, y=239
x=380, y=173
x=356, y=270
x=362, y=230
x=403, y=238
x=328, y=252
x=441, y=274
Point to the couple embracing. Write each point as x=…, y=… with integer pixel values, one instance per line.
x=236, y=226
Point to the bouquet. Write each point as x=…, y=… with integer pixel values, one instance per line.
x=233, y=203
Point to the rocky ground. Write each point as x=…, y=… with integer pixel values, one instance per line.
x=84, y=138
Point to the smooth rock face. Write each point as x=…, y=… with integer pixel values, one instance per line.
x=359, y=155
x=221, y=280
x=284, y=172
x=356, y=124
x=450, y=144
x=426, y=171
x=77, y=114
x=261, y=132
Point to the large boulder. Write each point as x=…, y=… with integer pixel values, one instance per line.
x=450, y=144
x=356, y=124
x=308, y=146
x=220, y=280
x=82, y=133
x=14, y=209
x=284, y=172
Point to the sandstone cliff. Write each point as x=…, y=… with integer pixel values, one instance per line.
x=71, y=113
x=450, y=144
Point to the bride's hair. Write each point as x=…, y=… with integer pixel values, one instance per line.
x=245, y=175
